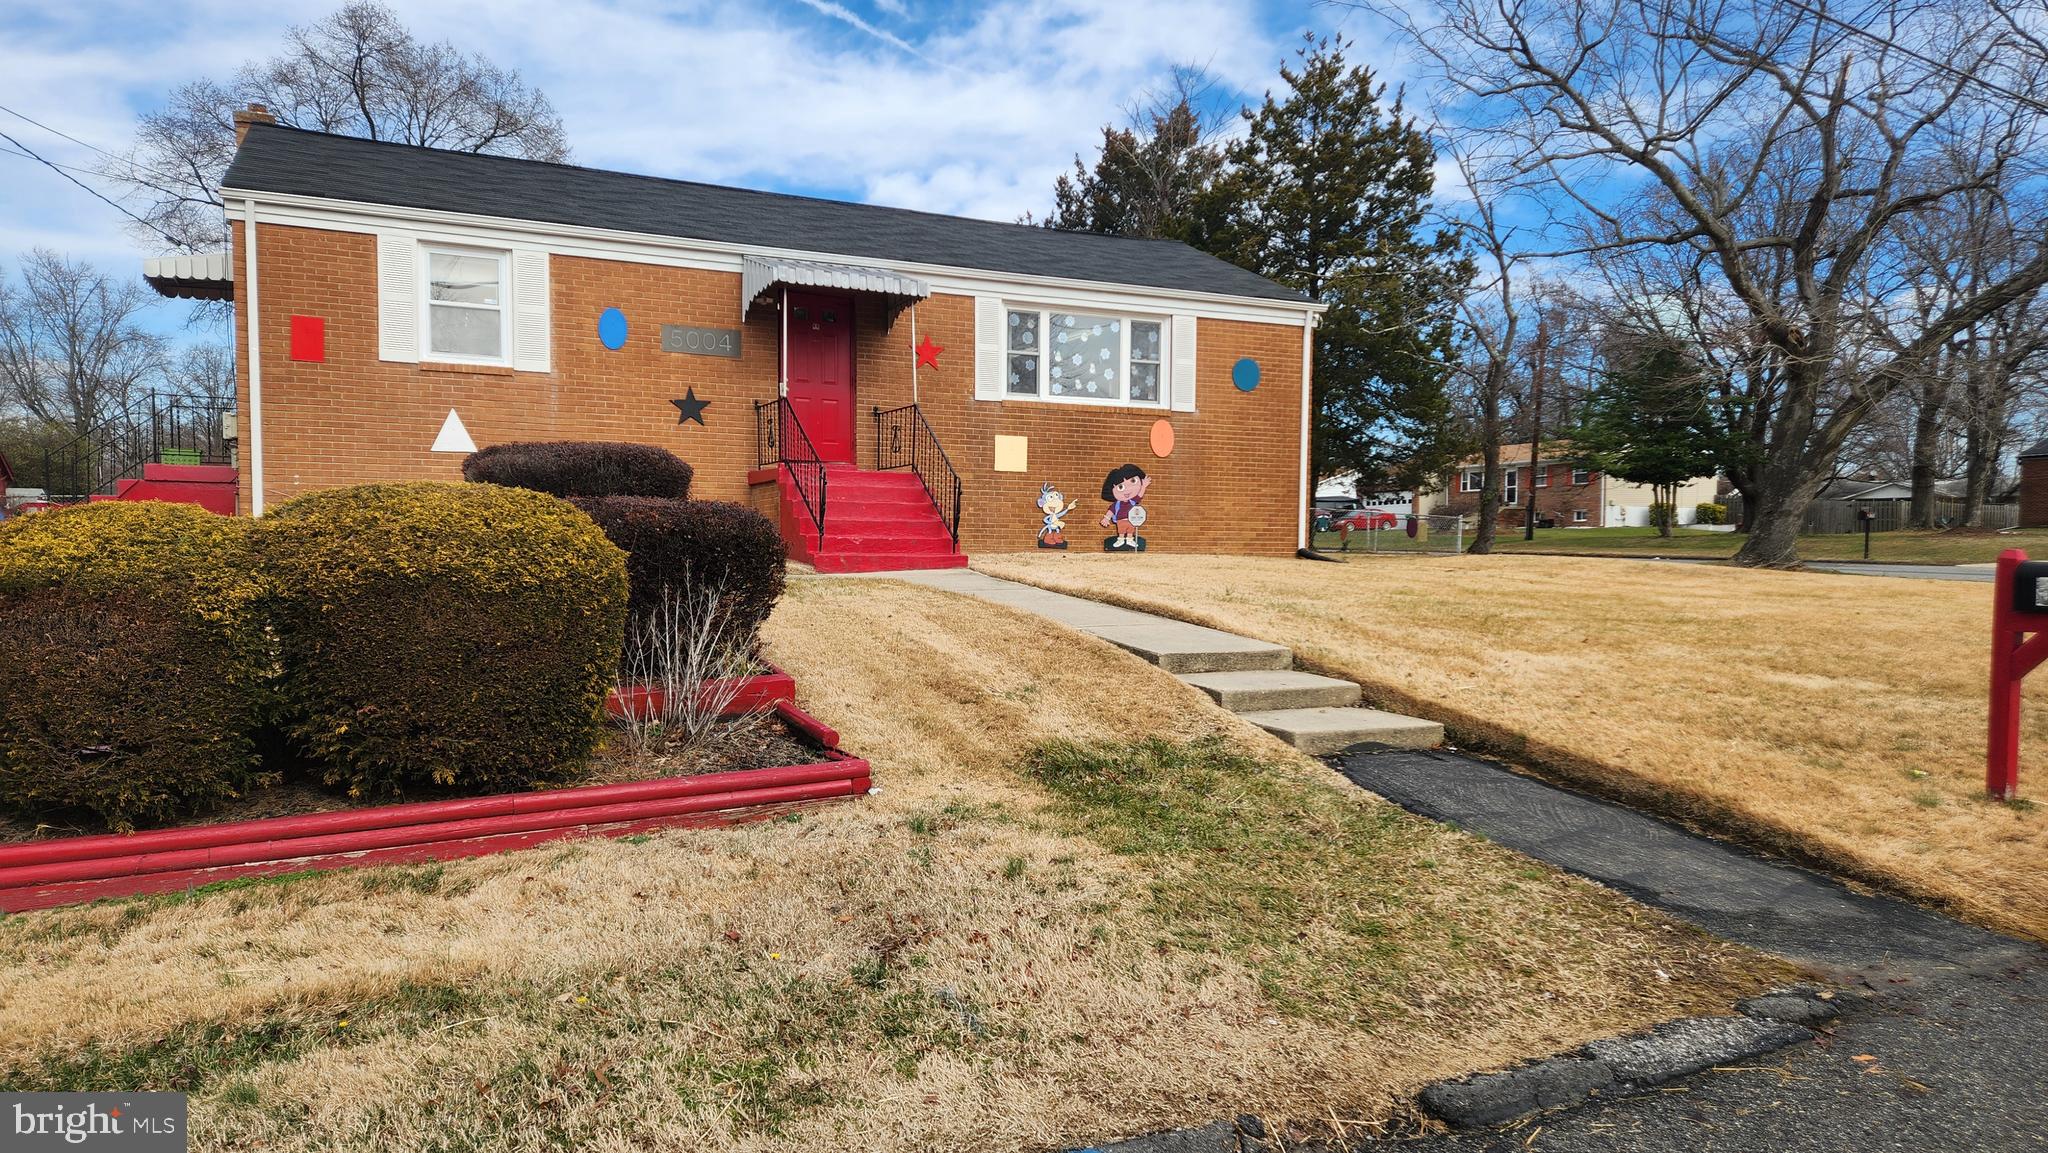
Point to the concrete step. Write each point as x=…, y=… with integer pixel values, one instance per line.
x=1318, y=732
x=1185, y=648
x=1270, y=689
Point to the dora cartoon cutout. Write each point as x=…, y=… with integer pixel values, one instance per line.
x=1053, y=533
x=1124, y=488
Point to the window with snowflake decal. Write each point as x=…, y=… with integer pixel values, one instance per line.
x=1084, y=357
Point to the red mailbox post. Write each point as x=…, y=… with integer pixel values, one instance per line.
x=2020, y=606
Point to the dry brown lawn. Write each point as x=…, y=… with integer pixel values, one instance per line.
x=970, y=959
x=1840, y=719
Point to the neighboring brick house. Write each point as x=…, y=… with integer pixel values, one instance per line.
x=408, y=302
x=2034, y=485
x=1566, y=495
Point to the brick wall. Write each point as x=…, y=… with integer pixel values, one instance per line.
x=2034, y=492
x=1231, y=483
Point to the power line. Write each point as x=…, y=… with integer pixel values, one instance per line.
x=32, y=156
x=90, y=190
x=57, y=132
x=1886, y=42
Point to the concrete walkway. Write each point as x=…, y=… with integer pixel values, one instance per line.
x=1255, y=679
x=1944, y=1042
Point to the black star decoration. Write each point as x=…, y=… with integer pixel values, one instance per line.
x=690, y=408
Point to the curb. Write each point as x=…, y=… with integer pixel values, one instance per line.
x=1622, y=1065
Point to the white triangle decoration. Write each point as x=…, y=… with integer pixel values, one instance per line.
x=454, y=437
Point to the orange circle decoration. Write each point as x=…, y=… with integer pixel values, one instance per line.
x=1162, y=438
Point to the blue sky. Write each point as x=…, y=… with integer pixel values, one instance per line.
x=951, y=107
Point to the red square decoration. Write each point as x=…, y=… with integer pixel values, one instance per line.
x=309, y=338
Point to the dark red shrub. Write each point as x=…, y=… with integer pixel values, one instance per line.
x=691, y=545
x=579, y=468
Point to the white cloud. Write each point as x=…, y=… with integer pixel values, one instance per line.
x=972, y=110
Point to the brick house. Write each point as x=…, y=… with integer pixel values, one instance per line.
x=1570, y=497
x=396, y=305
x=2034, y=485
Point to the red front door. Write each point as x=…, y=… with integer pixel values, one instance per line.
x=821, y=371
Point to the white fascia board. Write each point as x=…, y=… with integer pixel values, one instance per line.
x=718, y=256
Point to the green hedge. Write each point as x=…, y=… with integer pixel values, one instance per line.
x=441, y=637
x=1710, y=513
x=132, y=669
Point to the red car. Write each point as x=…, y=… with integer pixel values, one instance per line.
x=1365, y=518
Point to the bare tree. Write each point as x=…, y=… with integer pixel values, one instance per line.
x=358, y=72
x=1780, y=149
x=1489, y=318
x=71, y=351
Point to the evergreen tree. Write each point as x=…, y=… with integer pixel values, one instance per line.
x=1651, y=421
x=1329, y=192
x=1153, y=179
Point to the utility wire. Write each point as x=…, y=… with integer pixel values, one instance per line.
x=1886, y=42
x=90, y=190
x=56, y=132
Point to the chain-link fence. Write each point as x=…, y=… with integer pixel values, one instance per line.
x=1394, y=533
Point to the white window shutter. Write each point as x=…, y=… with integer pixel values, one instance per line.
x=530, y=351
x=1183, y=352
x=398, y=296
x=988, y=348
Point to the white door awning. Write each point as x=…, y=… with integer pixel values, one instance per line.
x=760, y=275
x=197, y=276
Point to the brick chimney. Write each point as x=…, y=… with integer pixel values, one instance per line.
x=254, y=114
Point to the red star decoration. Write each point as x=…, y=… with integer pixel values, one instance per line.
x=928, y=353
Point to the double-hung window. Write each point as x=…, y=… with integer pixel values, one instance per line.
x=466, y=318
x=1543, y=477
x=1513, y=497
x=1581, y=476
x=1473, y=480
x=1085, y=358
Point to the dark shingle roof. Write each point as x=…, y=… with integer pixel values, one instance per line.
x=2040, y=448
x=288, y=160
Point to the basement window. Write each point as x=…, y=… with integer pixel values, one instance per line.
x=465, y=306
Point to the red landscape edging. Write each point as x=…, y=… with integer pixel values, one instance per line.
x=751, y=695
x=41, y=874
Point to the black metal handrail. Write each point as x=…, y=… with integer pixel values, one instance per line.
x=781, y=439
x=903, y=439
x=154, y=430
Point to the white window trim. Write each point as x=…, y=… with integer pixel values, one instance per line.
x=1542, y=476
x=1472, y=480
x=1044, y=394
x=428, y=303
x=1582, y=476
x=1578, y=516
x=1511, y=485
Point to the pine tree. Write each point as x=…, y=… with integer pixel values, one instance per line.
x=1329, y=192
x=1652, y=421
x=1153, y=180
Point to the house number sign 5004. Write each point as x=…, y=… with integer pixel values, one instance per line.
x=701, y=341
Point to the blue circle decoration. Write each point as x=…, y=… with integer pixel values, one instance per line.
x=1245, y=374
x=611, y=329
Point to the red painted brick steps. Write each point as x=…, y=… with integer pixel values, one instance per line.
x=874, y=522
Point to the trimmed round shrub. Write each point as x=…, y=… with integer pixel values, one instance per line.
x=569, y=468
x=132, y=664
x=1710, y=513
x=441, y=637
x=695, y=545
